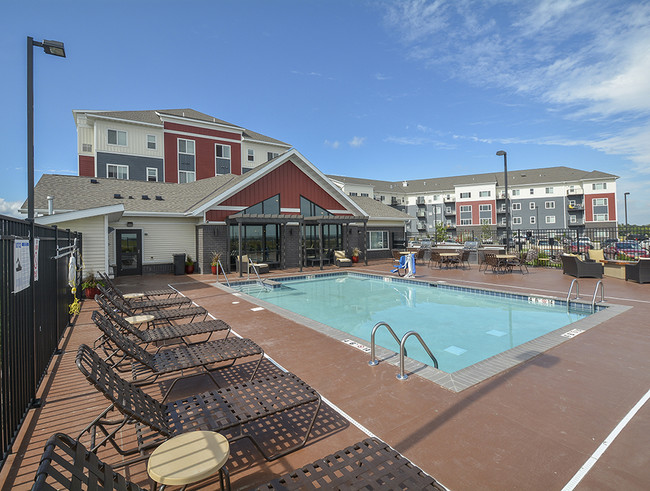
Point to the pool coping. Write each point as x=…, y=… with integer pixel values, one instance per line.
x=465, y=377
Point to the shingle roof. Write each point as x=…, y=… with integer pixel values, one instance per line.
x=376, y=209
x=152, y=117
x=515, y=178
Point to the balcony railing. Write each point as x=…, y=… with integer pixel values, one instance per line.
x=421, y=214
x=575, y=191
x=422, y=225
x=450, y=212
x=448, y=198
x=420, y=201
x=576, y=207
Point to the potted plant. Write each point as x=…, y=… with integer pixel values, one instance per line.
x=214, y=261
x=189, y=265
x=89, y=286
x=355, y=255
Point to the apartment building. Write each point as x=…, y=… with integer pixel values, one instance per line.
x=173, y=145
x=543, y=199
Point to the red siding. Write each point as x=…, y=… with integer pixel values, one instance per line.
x=202, y=131
x=475, y=210
x=288, y=181
x=589, y=208
x=205, y=153
x=86, y=166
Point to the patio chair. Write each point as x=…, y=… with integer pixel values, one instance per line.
x=248, y=264
x=149, y=294
x=639, y=271
x=419, y=254
x=177, y=358
x=572, y=265
x=518, y=262
x=370, y=464
x=341, y=260
x=224, y=410
x=143, y=305
x=434, y=258
x=595, y=255
x=497, y=265
x=464, y=258
x=67, y=464
x=396, y=256
x=166, y=332
x=166, y=315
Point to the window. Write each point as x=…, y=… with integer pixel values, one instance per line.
x=353, y=194
x=549, y=205
x=270, y=206
x=251, y=155
x=377, y=240
x=600, y=209
x=465, y=195
x=448, y=210
x=549, y=190
x=503, y=220
x=532, y=220
x=186, y=161
x=310, y=209
x=516, y=220
x=532, y=191
x=465, y=215
x=86, y=147
x=271, y=155
x=484, y=194
x=599, y=186
x=531, y=206
x=516, y=192
x=222, y=159
x=516, y=206
x=151, y=142
x=550, y=219
x=117, y=137
x=599, y=202
x=115, y=171
x=573, y=219
x=572, y=203
x=365, y=195
x=152, y=174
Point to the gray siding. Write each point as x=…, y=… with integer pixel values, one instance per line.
x=137, y=165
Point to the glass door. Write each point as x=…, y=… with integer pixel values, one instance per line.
x=129, y=252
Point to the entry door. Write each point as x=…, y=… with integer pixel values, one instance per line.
x=129, y=252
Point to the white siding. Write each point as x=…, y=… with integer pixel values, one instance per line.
x=93, y=251
x=261, y=153
x=136, y=141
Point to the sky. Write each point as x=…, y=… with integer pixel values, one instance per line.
x=381, y=89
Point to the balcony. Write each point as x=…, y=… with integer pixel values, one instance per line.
x=579, y=207
x=422, y=225
x=394, y=201
x=575, y=191
x=449, y=198
x=421, y=214
x=420, y=200
x=577, y=223
x=450, y=212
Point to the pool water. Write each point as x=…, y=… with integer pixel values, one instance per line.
x=461, y=328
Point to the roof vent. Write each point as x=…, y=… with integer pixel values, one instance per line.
x=145, y=197
x=131, y=197
x=94, y=181
x=405, y=183
x=159, y=198
x=117, y=196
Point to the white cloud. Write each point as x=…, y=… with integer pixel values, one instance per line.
x=380, y=76
x=357, y=141
x=10, y=208
x=333, y=144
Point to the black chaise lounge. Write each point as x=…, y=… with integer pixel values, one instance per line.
x=572, y=265
x=168, y=332
x=138, y=304
x=639, y=271
x=150, y=366
x=367, y=465
x=67, y=464
x=149, y=294
x=225, y=410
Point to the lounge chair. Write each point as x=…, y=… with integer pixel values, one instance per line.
x=341, y=260
x=166, y=315
x=639, y=271
x=572, y=265
x=141, y=305
x=595, y=255
x=247, y=265
x=67, y=464
x=223, y=410
x=165, y=332
x=370, y=464
x=149, y=294
x=177, y=358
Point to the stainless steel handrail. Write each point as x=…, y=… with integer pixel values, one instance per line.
x=402, y=349
x=568, y=295
x=251, y=264
x=373, y=361
x=602, y=294
x=220, y=266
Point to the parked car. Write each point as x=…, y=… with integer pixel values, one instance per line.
x=605, y=243
x=637, y=237
x=628, y=247
x=580, y=245
x=645, y=244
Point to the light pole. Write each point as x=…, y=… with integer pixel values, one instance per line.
x=505, y=182
x=625, y=198
x=51, y=48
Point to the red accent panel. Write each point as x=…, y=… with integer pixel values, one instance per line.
x=205, y=154
x=475, y=210
x=86, y=166
x=589, y=205
x=288, y=181
x=202, y=131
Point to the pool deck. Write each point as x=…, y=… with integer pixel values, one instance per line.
x=530, y=427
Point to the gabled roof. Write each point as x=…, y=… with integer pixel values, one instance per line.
x=515, y=178
x=157, y=116
x=378, y=210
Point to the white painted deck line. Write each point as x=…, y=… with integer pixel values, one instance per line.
x=591, y=461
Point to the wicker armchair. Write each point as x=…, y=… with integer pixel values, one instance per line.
x=572, y=265
x=639, y=272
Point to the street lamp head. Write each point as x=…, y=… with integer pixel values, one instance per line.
x=55, y=48
x=626, y=193
x=501, y=153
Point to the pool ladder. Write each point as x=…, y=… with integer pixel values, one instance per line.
x=599, y=285
x=220, y=267
x=260, y=281
x=402, y=348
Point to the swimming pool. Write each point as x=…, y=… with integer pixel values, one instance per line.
x=461, y=326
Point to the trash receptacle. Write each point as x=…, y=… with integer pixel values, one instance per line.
x=179, y=264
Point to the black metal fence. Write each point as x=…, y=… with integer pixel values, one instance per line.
x=32, y=321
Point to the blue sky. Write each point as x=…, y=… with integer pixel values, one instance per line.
x=404, y=89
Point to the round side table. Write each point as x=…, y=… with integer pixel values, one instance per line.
x=189, y=458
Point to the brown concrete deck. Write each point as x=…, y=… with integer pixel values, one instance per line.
x=531, y=427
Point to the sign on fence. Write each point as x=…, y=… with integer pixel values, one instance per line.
x=22, y=265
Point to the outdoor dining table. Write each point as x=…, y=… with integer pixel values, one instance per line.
x=504, y=258
x=445, y=257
